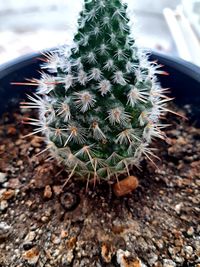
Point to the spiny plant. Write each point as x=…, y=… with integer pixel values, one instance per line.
x=100, y=101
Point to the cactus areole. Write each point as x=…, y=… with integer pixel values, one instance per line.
x=99, y=100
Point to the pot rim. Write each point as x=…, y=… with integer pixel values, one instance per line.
x=181, y=65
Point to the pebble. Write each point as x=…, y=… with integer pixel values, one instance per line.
x=64, y=234
x=32, y=255
x=190, y=231
x=178, y=208
x=47, y=192
x=55, y=239
x=8, y=194
x=5, y=230
x=57, y=189
x=44, y=219
x=3, y=177
x=125, y=186
x=168, y=263
x=124, y=259
x=3, y=205
x=188, y=251
x=30, y=236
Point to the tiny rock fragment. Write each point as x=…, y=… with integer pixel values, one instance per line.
x=30, y=236
x=55, y=239
x=190, y=231
x=3, y=205
x=124, y=259
x=168, y=263
x=31, y=255
x=3, y=178
x=178, y=208
x=125, y=186
x=7, y=194
x=107, y=252
x=63, y=234
x=47, y=192
x=4, y=230
x=57, y=189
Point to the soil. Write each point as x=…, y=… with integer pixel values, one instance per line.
x=43, y=224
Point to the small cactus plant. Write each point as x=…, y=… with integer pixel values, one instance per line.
x=100, y=101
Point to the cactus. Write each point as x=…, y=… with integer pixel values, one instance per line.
x=100, y=101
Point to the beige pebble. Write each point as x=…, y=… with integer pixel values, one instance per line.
x=125, y=186
x=47, y=192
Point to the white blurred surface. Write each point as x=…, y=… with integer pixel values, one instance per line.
x=32, y=25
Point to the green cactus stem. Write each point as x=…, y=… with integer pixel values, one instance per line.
x=99, y=100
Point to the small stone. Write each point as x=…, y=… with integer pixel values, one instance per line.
x=124, y=259
x=8, y=194
x=47, y=192
x=3, y=205
x=107, y=252
x=5, y=230
x=178, y=259
x=190, y=231
x=3, y=177
x=55, y=239
x=44, y=219
x=125, y=186
x=32, y=255
x=30, y=236
x=63, y=234
x=19, y=163
x=57, y=189
x=168, y=263
x=178, y=208
x=188, y=251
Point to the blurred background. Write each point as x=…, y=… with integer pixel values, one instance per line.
x=168, y=26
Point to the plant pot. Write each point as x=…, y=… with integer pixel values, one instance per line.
x=183, y=80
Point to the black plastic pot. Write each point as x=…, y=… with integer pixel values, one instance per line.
x=183, y=79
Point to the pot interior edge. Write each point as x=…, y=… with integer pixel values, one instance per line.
x=181, y=80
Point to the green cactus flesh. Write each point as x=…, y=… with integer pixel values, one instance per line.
x=100, y=103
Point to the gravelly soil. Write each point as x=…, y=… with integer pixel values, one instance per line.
x=43, y=225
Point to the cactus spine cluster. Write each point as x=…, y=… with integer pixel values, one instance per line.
x=100, y=101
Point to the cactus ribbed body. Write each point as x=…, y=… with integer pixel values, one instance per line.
x=100, y=103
